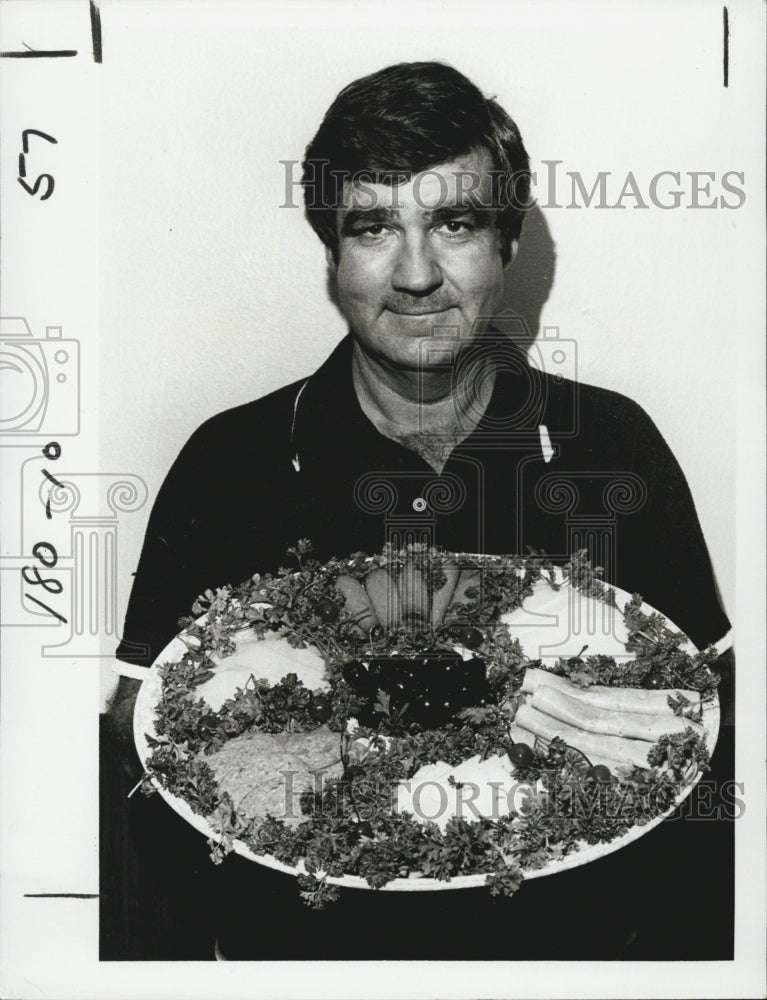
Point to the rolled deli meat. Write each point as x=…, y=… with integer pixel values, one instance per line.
x=611, y=722
x=618, y=699
x=616, y=747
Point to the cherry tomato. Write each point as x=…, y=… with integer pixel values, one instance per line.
x=326, y=610
x=654, y=681
x=521, y=755
x=471, y=637
x=599, y=772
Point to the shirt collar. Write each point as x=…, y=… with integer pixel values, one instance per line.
x=329, y=420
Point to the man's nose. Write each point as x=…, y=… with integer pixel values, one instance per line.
x=416, y=269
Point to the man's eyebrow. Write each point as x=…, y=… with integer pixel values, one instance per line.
x=367, y=217
x=376, y=215
x=447, y=213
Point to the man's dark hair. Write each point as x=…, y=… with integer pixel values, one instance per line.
x=402, y=120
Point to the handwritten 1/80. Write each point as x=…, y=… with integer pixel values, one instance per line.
x=44, y=552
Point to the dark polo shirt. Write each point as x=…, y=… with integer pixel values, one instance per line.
x=305, y=462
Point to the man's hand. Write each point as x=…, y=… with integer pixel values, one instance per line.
x=120, y=724
x=724, y=666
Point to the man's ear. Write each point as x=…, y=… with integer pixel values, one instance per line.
x=330, y=258
x=513, y=247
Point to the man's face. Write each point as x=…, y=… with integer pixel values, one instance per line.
x=416, y=256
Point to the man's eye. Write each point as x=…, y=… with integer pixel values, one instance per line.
x=456, y=227
x=375, y=230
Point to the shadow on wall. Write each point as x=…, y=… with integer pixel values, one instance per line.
x=530, y=277
x=529, y=281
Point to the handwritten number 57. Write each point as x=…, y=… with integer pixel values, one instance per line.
x=23, y=165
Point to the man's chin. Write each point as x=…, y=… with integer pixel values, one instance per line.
x=439, y=327
x=418, y=355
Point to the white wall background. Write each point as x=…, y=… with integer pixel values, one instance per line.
x=212, y=294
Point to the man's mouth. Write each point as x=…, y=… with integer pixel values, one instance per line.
x=418, y=311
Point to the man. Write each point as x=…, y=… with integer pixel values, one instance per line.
x=426, y=423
